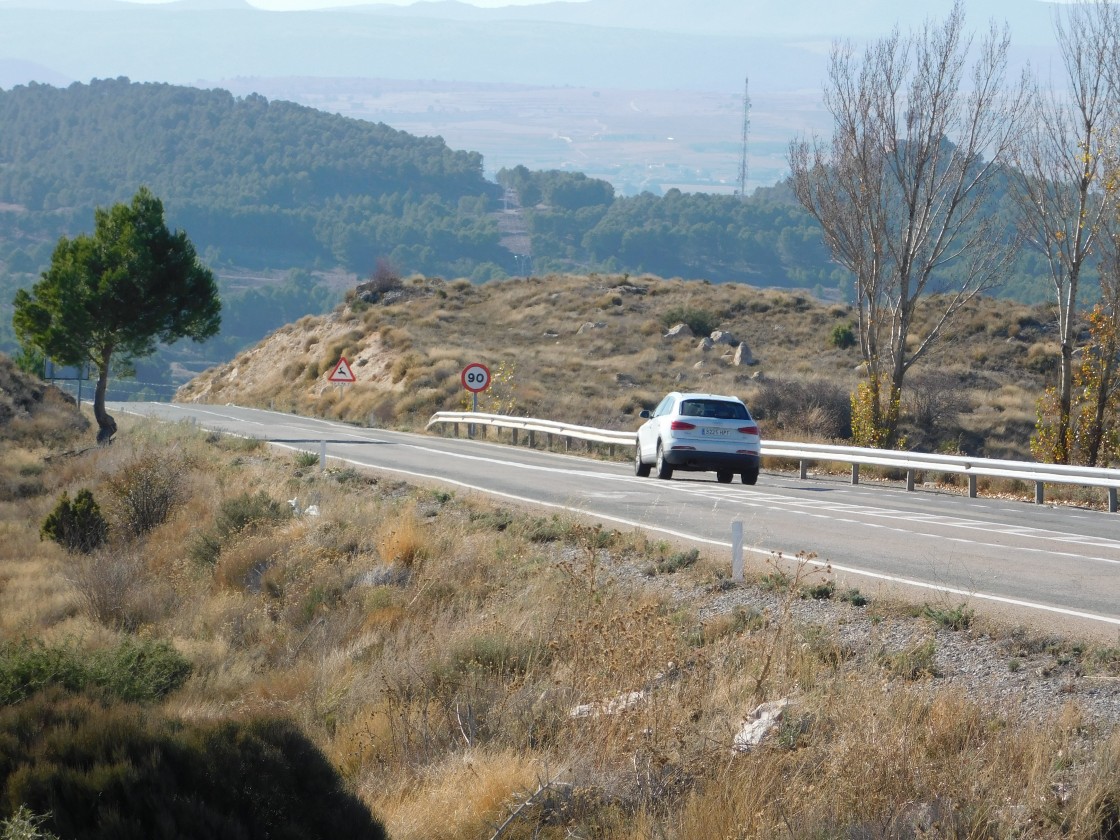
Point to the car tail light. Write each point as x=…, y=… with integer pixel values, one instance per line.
x=681, y=426
x=749, y=430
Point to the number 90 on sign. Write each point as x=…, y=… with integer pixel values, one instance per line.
x=476, y=377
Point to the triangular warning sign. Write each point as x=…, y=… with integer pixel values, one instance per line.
x=342, y=372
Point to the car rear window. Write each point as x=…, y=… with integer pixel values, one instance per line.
x=716, y=409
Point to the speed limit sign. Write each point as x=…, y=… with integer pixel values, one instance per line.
x=476, y=377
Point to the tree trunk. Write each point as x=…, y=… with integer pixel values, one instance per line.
x=106, y=425
x=1065, y=406
x=1100, y=409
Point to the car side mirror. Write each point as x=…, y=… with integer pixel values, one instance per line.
x=645, y=414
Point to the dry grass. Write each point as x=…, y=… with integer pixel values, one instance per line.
x=463, y=665
x=590, y=350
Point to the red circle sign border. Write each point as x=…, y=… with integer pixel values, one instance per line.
x=471, y=388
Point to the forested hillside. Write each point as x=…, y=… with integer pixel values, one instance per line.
x=253, y=182
x=766, y=239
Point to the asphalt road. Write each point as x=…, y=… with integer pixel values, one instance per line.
x=1048, y=564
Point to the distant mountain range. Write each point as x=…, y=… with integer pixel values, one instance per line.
x=640, y=44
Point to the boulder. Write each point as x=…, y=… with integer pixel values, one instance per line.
x=743, y=355
x=758, y=724
x=680, y=331
x=724, y=337
x=705, y=345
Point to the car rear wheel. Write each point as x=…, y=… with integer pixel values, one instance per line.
x=664, y=470
x=724, y=477
x=641, y=468
x=750, y=476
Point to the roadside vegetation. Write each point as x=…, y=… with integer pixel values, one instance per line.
x=459, y=669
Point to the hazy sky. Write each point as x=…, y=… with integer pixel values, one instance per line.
x=290, y=5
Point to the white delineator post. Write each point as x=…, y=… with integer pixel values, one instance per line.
x=737, y=550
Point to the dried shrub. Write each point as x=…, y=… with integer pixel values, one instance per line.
x=816, y=408
x=385, y=278
x=240, y=513
x=242, y=565
x=146, y=490
x=116, y=589
x=935, y=399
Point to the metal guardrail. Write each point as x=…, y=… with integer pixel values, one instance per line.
x=532, y=427
x=806, y=453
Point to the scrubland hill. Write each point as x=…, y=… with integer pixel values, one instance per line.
x=593, y=350
x=191, y=651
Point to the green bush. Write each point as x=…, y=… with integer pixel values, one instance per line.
x=822, y=591
x=914, y=662
x=677, y=561
x=77, y=526
x=854, y=597
x=541, y=530
x=142, y=671
x=127, y=773
x=842, y=337
x=306, y=459
x=700, y=321
x=136, y=671
x=956, y=618
x=28, y=666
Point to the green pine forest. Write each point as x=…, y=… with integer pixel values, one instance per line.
x=276, y=187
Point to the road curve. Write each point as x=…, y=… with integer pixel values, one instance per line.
x=1050, y=565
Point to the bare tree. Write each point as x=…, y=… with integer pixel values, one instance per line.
x=920, y=138
x=1061, y=161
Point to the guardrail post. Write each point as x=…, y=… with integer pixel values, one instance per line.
x=455, y=428
x=514, y=436
x=855, y=473
x=567, y=444
x=972, y=487
x=804, y=470
x=1112, y=500
x=910, y=480
x=1039, y=493
x=532, y=439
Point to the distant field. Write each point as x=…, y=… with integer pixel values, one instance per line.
x=638, y=140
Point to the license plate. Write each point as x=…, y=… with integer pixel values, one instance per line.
x=717, y=432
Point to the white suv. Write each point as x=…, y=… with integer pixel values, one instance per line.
x=701, y=432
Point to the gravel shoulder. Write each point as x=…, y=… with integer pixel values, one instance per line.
x=1034, y=670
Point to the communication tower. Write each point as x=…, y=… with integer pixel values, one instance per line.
x=742, y=191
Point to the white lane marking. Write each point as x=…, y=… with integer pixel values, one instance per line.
x=936, y=587
x=986, y=526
